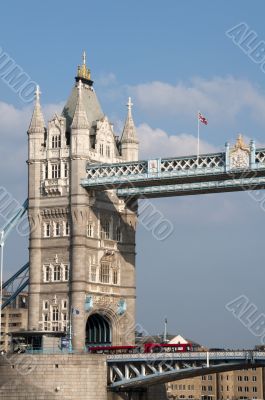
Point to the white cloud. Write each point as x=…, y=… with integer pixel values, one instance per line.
x=220, y=98
x=158, y=143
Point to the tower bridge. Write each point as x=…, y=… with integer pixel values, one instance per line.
x=81, y=269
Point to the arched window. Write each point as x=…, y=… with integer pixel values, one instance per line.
x=57, y=273
x=55, y=314
x=104, y=275
x=105, y=229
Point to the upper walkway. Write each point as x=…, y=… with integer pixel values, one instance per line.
x=239, y=168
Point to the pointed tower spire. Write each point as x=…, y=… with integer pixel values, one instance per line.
x=129, y=131
x=37, y=124
x=129, y=141
x=80, y=118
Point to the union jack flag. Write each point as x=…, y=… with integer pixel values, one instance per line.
x=202, y=119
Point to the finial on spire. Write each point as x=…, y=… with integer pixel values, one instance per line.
x=37, y=93
x=129, y=104
x=83, y=72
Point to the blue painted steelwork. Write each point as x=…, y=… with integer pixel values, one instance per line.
x=185, y=189
x=135, y=371
x=19, y=281
x=208, y=173
x=15, y=285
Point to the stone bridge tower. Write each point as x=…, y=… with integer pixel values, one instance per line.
x=82, y=243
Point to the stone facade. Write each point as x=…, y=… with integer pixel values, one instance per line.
x=75, y=377
x=231, y=385
x=82, y=243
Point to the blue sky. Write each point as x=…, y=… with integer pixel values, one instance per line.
x=173, y=58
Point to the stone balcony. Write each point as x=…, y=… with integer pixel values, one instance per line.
x=55, y=187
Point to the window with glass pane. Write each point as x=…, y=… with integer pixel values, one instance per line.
x=67, y=228
x=56, y=171
x=66, y=170
x=115, y=276
x=47, y=274
x=57, y=229
x=93, y=275
x=104, y=273
x=66, y=272
x=89, y=230
x=55, y=314
x=118, y=234
x=105, y=229
x=57, y=273
x=47, y=230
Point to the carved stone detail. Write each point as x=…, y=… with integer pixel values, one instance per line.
x=240, y=155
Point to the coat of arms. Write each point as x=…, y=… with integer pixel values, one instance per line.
x=240, y=155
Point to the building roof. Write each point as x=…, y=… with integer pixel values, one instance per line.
x=90, y=104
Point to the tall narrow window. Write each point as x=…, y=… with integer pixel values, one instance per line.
x=115, y=276
x=67, y=228
x=108, y=151
x=105, y=229
x=56, y=171
x=66, y=170
x=66, y=272
x=57, y=273
x=101, y=149
x=56, y=141
x=89, y=230
x=47, y=230
x=47, y=274
x=46, y=171
x=118, y=234
x=57, y=229
x=55, y=314
x=104, y=273
x=93, y=273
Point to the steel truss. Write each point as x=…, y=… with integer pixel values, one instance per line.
x=135, y=371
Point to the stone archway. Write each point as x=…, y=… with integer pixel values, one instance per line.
x=98, y=330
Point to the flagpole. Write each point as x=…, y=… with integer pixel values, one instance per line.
x=198, y=136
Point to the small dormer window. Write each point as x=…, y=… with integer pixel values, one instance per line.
x=56, y=141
